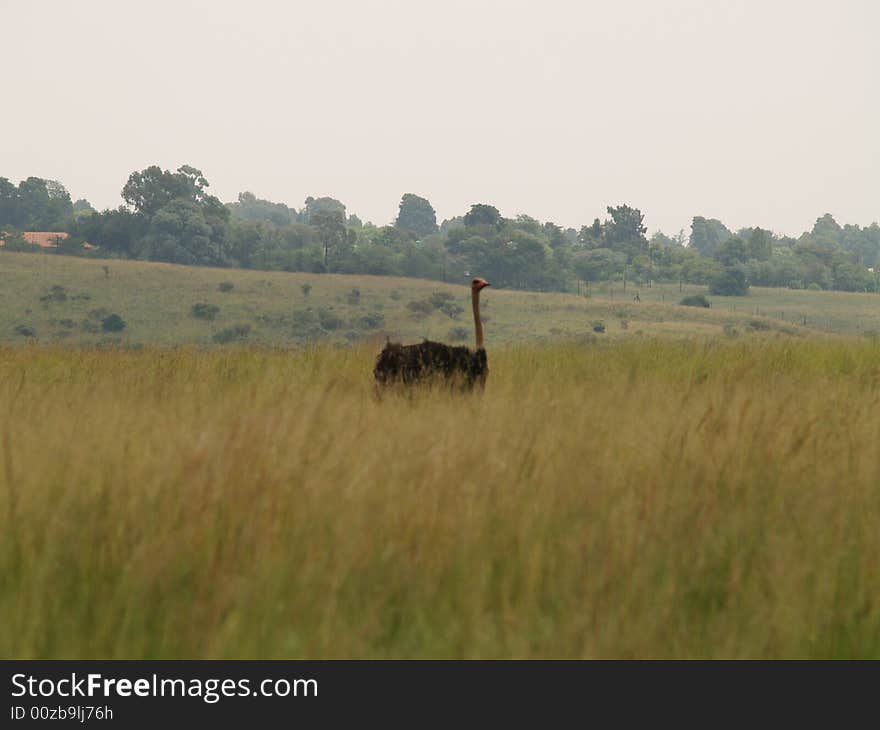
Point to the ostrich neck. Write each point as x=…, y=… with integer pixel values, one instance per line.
x=478, y=324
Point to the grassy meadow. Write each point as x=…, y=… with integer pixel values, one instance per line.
x=62, y=300
x=645, y=497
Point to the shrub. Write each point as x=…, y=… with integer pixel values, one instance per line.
x=395, y=295
x=56, y=293
x=758, y=325
x=696, y=300
x=451, y=309
x=354, y=297
x=225, y=286
x=201, y=310
x=306, y=289
x=371, y=321
x=25, y=331
x=304, y=318
x=598, y=327
x=814, y=286
x=113, y=323
x=329, y=320
x=231, y=334
x=731, y=282
x=420, y=307
x=458, y=334
x=439, y=298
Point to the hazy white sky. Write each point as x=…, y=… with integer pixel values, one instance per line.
x=758, y=112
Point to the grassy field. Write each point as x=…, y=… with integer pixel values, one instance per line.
x=643, y=498
x=270, y=308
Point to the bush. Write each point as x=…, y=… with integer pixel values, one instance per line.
x=458, y=334
x=696, y=300
x=451, y=309
x=306, y=289
x=113, y=323
x=25, y=331
x=231, y=334
x=439, y=298
x=354, y=297
x=56, y=293
x=395, y=295
x=731, y=282
x=814, y=286
x=329, y=320
x=201, y=310
x=225, y=286
x=420, y=307
x=304, y=318
x=371, y=321
x=598, y=327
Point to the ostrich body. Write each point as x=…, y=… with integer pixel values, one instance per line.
x=411, y=364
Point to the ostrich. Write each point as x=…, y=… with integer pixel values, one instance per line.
x=411, y=364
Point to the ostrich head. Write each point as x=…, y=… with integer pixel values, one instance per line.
x=478, y=284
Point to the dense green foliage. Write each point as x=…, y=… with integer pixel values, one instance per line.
x=170, y=216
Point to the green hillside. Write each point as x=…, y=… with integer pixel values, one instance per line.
x=57, y=299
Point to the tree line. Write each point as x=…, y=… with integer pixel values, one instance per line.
x=170, y=216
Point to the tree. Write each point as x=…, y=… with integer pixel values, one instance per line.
x=481, y=214
x=313, y=206
x=82, y=208
x=592, y=236
x=731, y=282
x=116, y=231
x=733, y=251
x=416, y=215
x=528, y=224
x=36, y=205
x=185, y=223
x=849, y=276
x=760, y=244
x=827, y=232
x=661, y=240
x=332, y=233
x=707, y=235
x=625, y=232
x=10, y=204
x=555, y=235
x=148, y=190
x=250, y=207
x=598, y=264
x=180, y=234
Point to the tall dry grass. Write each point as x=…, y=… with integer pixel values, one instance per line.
x=647, y=499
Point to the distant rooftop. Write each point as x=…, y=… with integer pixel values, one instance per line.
x=44, y=239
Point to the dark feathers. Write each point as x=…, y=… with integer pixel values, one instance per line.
x=428, y=360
